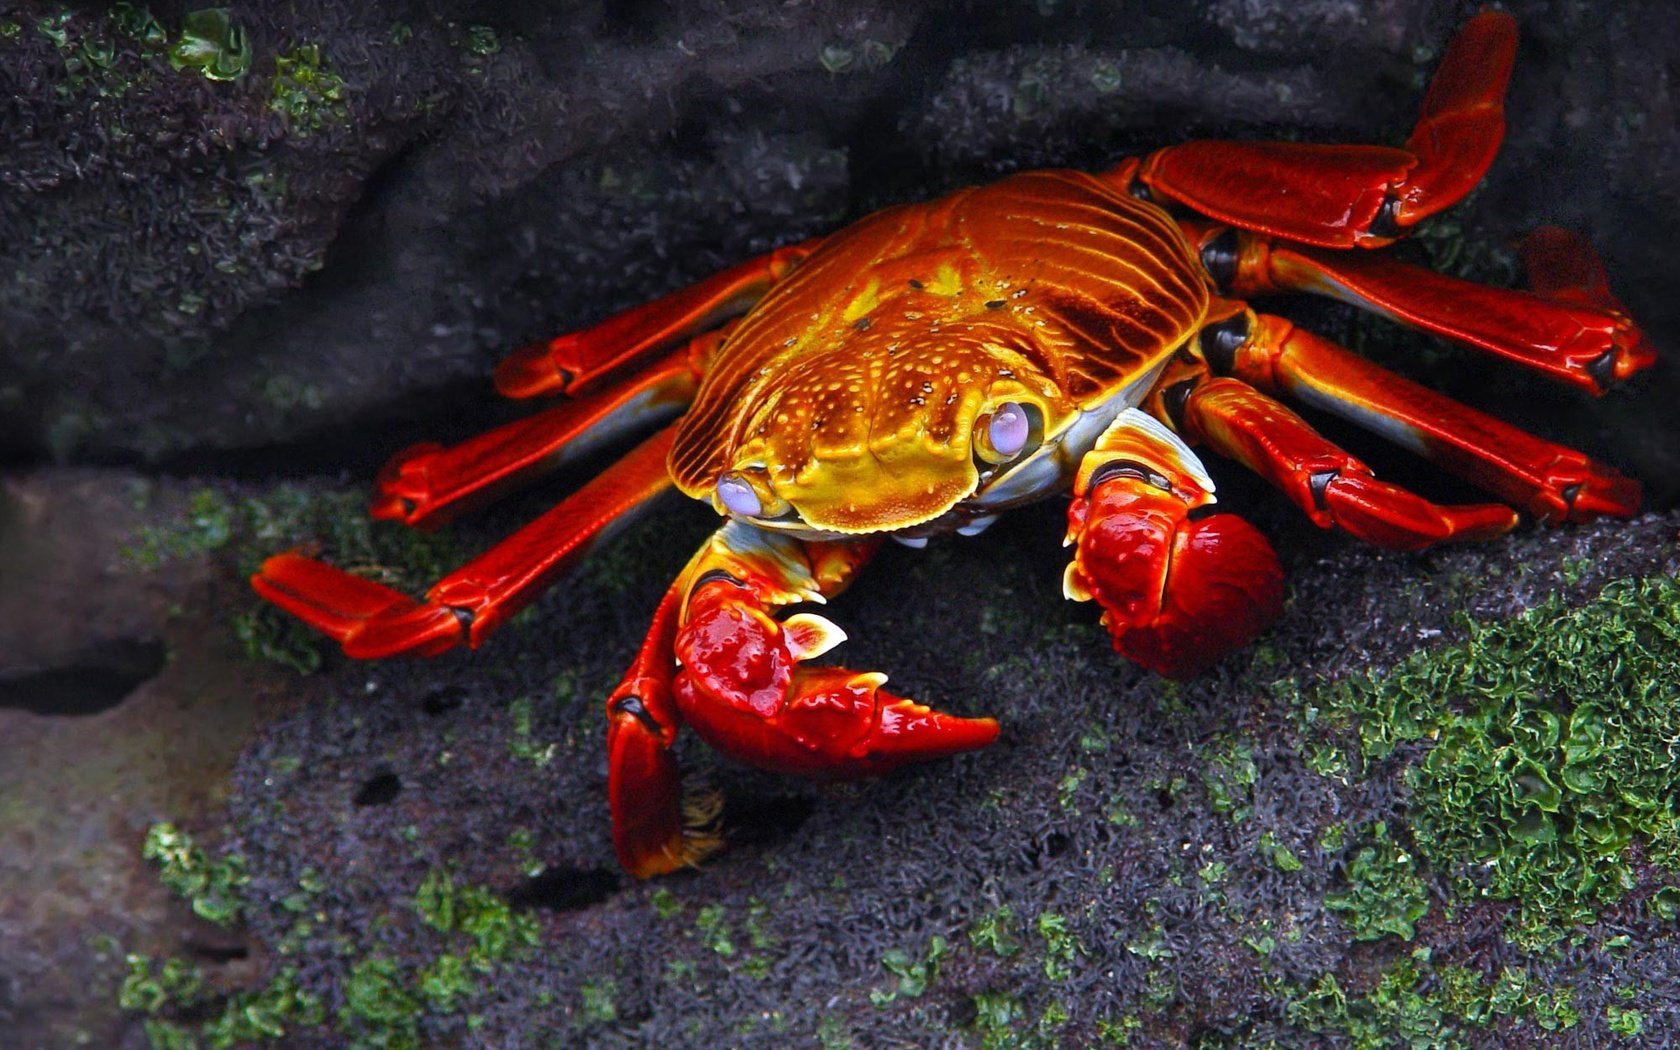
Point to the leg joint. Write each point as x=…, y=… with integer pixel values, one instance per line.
x=1387, y=222
x=1126, y=468
x=1220, y=256
x=1319, y=485
x=632, y=705
x=1221, y=341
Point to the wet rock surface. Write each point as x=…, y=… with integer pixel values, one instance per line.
x=123, y=701
x=246, y=280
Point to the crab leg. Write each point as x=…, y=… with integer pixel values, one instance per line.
x=572, y=362
x=1569, y=326
x=1179, y=587
x=1343, y=196
x=720, y=659
x=1549, y=481
x=427, y=485
x=651, y=832
x=371, y=620
x=1330, y=486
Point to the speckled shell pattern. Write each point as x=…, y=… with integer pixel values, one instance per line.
x=1049, y=287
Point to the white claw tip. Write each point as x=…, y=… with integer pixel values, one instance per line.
x=809, y=635
x=1072, y=586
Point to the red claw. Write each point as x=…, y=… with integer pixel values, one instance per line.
x=742, y=688
x=1177, y=593
x=739, y=652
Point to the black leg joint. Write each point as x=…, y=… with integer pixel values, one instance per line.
x=1140, y=191
x=1387, y=222
x=1603, y=369
x=632, y=705
x=1125, y=468
x=1221, y=341
x=1318, y=484
x=1569, y=492
x=1174, y=398
x=714, y=576
x=1219, y=256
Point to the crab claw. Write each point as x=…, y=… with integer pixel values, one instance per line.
x=742, y=689
x=1178, y=590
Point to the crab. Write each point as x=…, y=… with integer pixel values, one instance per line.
x=933, y=365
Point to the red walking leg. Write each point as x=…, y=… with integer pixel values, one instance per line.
x=572, y=362
x=1330, y=486
x=1549, y=481
x=1569, y=326
x=371, y=620
x=428, y=485
x=1343, y=196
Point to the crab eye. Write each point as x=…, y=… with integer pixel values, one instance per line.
x=737, y=494
x=1008, y=429
x=1003, y=434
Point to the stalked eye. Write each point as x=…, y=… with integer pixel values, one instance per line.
x=736, y=494
x=1001, y=436
x=1008, y=429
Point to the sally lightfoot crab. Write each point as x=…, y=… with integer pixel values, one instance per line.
x=936, y=364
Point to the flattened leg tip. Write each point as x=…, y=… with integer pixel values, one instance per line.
x=400, y=491
x=1607, y=494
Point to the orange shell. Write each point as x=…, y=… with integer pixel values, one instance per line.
x=851, y=390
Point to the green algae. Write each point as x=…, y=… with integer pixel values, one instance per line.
x=380, y=1010
x=995, y=932
x=1539, y=755
x=523, y=744
x=1556, y=735
x=174, y=988
x=481, y=40
x=496, y=930
x=212, y=44
x=1384, y=894
x=139, y=24
x=915, y=971
x=306, y=90
x=1061, y=946
x=212, y=886
x=382, y=1002
x=1416, y=1003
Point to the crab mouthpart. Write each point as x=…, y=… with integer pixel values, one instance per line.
x=864, y=494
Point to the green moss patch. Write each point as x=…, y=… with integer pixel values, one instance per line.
x=1556, y=740
x=1417, y=1004
x=211, y=885
x=306, y=91
x=213, y=44
x=1384, y=894
x=382, y=1003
